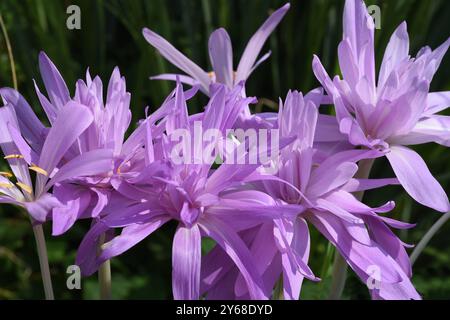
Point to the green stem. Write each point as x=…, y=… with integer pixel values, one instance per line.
x=278, y=293
x=339, y=274
x=43, y=261
x=104, y=276
x=428, y=236
x=10, y=53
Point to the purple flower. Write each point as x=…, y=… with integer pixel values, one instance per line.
x=187, y=193
x=395, y=111
x=89, y=196
x=221, y=55
x=317, y=190
x=26, y=150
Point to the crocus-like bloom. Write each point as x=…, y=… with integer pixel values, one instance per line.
x=395, y=111
x=85, y=196
x=186, y=193
x=221, y=55
x=88, y=196
x=320, y=188
x=16, y=142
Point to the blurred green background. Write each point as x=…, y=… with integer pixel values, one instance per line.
x=111, y=35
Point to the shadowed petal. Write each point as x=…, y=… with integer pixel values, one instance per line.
x=30, y=126
x=238, y=252
x=87, y=252
x=360, y=257
x=24, y=149
x=7, y=144
x=48, y=107
x=74, y=201
x=54, y=83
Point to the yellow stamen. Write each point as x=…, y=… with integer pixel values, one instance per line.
x=6, y=174
x=6, y=185
x=14, y=156
x=38, y=170
x=25, y=187
x=211, y=74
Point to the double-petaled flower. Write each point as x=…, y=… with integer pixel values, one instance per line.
x=394, y=110
x=314, y=189
x=187, y=193
x=30, y=147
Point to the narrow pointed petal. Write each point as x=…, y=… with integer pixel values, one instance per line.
x=358, y=27
x=186, y=263
x=403, y=290
x=31, y=127
x=356, y=185
x=130, y=236
x=24, y=149
x=360, y=257
x=238, y=252
x=50, y=110
x=396, y=52
x=8, y=200
x=7, y=144
x=177, y=58
x=173, y=77
x=437, y=101
x=264, y=251
x=415, y=177
x=292, y=279
x=221, y=55
x=324, y=179
x=87, y=254
x=435, y=128
x=436, y=57
x=54, y=82
x=91, y=163
x=256, y=43
x=72, y=121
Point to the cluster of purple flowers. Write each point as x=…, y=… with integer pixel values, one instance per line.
x=83, y=167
